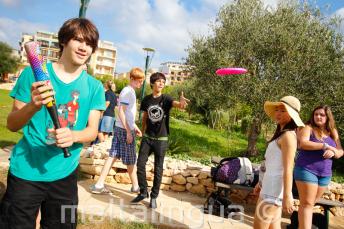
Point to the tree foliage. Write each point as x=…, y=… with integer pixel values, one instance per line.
x=8, y=63
x=291, y=50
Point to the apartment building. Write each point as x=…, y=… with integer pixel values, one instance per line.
x=48, y=42
x=103, y=61
x=175, y=72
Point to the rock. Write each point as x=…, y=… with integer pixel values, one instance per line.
x=94, y=170
x=176, y=172
x=332, y=196
x=91, y=161
x=110, y=180
x=181, y=165
x=165, y=187
x=167, y=172
x=119, y=165
x=122, y=178
x=198, y=189
x=166, y=180
x=185, y=173
x=179, y=179
x=97, y=155
x=171, y=165
x=177, y=187
x=192, y=180
x=149, y=168
x=188, y=186
x=194, y=173
x=203, y=175
x=149, y=176
x=207, y=182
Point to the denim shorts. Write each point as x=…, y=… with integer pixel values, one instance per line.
x=302, y=174
x=271, y=199
x=106, y=124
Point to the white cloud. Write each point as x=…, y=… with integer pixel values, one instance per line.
x=165, y=25
x=340, y=13
x=271, y=3
x=11, y=30
x=10, y=3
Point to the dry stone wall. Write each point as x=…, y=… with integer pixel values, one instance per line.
x=180, y=176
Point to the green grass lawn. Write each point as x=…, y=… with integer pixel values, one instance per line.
x=6, y=137
x=198, y=142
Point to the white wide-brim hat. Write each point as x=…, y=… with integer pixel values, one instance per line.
x=292, y=106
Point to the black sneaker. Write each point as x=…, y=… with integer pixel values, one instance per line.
x=152, y=203
x=139, y=198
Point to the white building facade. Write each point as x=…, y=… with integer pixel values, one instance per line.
x=175, y=72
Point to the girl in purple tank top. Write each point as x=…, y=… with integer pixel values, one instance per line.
x=319, y=143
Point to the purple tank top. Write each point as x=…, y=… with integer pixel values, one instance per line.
x=313, y=160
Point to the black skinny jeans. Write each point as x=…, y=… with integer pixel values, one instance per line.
x=148, y=146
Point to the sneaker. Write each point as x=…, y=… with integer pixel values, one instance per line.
x=135, y=190
x=96, y=190
x=152, y=203
x=139, y=198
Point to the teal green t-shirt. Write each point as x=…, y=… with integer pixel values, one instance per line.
x=35, y=157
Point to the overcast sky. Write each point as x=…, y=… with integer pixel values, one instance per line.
x=164, y=25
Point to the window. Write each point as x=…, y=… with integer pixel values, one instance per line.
x=44, y=52
x=54, y=45
x=54, y=54
x=43, y=43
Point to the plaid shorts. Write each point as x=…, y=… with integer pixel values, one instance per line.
x=120, y=149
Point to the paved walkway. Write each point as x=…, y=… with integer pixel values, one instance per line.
x=175, y=210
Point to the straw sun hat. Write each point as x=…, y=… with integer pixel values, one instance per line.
x=292, y=106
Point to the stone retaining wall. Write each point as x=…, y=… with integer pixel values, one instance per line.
x=181, y=176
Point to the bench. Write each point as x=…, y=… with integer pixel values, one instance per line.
x=326, y=204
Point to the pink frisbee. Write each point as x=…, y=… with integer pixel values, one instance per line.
x=230, y=71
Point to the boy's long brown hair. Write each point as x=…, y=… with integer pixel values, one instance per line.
x=78, y=27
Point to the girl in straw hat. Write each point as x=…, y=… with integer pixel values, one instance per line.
x=319, y=144
x=276, y=188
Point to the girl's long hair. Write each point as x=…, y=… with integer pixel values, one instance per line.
x=330, y=124
x=108, y=85
x=290, y=126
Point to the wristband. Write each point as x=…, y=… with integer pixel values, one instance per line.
x=325, y=146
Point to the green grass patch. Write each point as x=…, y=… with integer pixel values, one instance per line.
x=200, y=143
x=7, y=137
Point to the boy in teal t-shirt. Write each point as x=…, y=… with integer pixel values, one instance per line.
x=39, y=175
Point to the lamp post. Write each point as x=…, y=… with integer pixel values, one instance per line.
x=149, y=56
x=83, y=8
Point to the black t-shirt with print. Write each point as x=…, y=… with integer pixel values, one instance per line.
x=158, y=112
